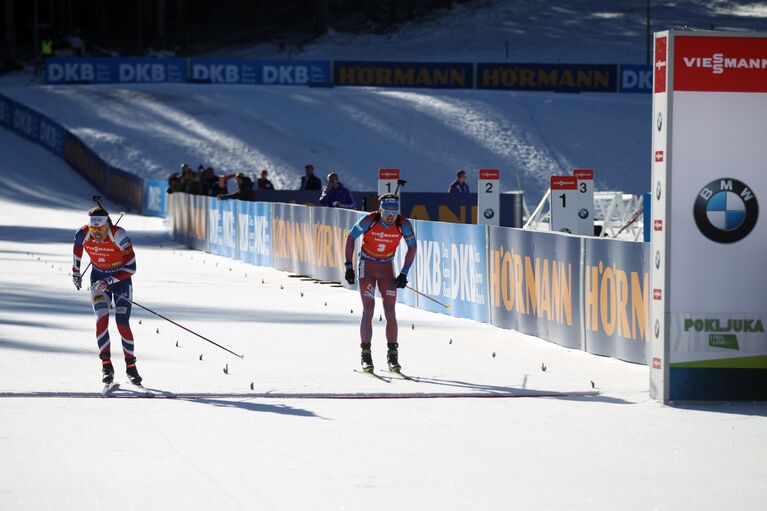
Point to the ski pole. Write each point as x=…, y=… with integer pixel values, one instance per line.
x=445, y=305
x=180, y=326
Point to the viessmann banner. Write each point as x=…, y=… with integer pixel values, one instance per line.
x=710, y=309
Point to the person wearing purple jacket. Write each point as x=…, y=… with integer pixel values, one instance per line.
x=336, y=195
x=459, y=185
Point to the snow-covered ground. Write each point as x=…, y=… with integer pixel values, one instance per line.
x=280, y=446
x=284, y=444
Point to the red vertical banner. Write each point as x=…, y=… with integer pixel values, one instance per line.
x=660, y=64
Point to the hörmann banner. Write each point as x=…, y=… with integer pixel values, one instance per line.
x=292, y=248
x=533, y=281
x=710, y=306
x=431, y=75
x=553, y=77
x=616, y=299
x=59, y=70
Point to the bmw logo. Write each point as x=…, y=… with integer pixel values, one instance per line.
x=657, y=191
x=659, y=122
x=657, y=328
x=657, y=259
x=583, y=213
x=489, y=213
x=726, y=210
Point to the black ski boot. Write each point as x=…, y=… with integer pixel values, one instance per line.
x=132, y=372
x=107, y=371
x=392, y=358
x=367, y=359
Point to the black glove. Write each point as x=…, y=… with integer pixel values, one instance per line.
x=349, y=276
x=401, y=280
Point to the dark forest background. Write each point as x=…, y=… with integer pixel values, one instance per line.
x=186, y=27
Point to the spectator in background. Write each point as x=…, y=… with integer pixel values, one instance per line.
x=175, y=184
x=209, y=182
x=335, y=194
x=191, y=180
x=263, y=182
x=244, y=189
x=310, y=181
x=459, y=185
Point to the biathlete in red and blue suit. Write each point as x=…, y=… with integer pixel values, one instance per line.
x=381, y=233
x=114, y=263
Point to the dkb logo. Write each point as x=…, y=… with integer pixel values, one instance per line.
x=726, y=210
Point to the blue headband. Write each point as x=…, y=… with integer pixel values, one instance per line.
x=390, y=204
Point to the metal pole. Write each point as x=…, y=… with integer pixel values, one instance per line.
x=180, y=326
x=647, y=35
x=445, y=305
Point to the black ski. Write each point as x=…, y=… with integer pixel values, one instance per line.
x=374, y=375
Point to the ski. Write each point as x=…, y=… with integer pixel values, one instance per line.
x=140, y=388
x=109, y=388
x=374, y=375
x=402, y=376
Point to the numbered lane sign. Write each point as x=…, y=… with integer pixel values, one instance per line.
x=387, y=181
x=585, y=201
x=563, y=203
x=488, y=201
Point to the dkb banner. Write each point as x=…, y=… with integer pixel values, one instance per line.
x=292, y=238
x=154, y=203
x=266, y=72
x=254, y=240
x=222, y=229
x=533, y=283
x=450, y=265
x=616, y=290
x=114, y=70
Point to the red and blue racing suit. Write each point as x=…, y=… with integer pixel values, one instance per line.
x=376, y=268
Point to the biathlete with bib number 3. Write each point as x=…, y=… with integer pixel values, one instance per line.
x=381, y=233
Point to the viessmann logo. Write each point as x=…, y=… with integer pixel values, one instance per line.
x=718, y=62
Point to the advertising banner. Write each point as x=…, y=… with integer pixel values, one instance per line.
x=552, y=77
x=432, y=75
x=260, y=72
x=79, y=70
x=32, y=125
x=86, y=162
x=254, y=241
x=330, y=227
x=450, y=267
x=124, y=187
x=616, y=299
x=711, y=303
x=635, y=78
x=292, y=238
x=199, y=206
x=534, y=285
x=155, y=197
